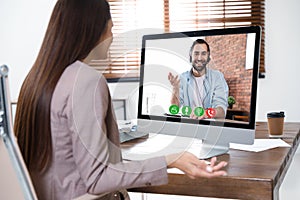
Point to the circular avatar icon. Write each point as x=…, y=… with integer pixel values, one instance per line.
x=210, y=112
x=199, y=111
x=174, y=109
x=186, y=110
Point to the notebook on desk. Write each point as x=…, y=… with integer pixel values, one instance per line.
x=128, y=136
x=128, y=131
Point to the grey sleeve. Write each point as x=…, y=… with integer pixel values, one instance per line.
x=95, y=141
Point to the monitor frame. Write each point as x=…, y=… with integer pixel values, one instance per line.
x=203, y=129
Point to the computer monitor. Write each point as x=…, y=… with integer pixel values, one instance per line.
x=231, y=58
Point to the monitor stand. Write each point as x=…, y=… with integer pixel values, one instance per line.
x=215, y=142
x=211, y=148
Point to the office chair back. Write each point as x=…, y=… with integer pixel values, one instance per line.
x=15, y=182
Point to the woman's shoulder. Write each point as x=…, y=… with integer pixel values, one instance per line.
x=79, y=68
x=77, y=81
x=79, y=72
x=79, y=76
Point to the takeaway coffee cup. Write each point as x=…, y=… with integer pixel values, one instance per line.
x=275, y=123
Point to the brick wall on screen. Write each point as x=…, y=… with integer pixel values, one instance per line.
x=229, y=56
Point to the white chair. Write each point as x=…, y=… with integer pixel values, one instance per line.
x=15, y=182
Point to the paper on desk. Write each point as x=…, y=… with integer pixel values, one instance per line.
x=160, y=144
x=260, y=145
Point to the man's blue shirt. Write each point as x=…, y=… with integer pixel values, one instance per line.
x=215, y=89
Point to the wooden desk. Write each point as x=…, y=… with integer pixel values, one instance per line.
x=250, y=175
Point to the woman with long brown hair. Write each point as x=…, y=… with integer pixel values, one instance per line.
x=65, y=123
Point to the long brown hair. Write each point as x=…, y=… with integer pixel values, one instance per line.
x=74, y=29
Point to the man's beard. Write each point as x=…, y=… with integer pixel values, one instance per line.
x=199, y=68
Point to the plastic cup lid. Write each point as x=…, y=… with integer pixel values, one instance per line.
x=275, y=114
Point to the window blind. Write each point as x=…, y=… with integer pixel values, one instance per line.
x=134, y=18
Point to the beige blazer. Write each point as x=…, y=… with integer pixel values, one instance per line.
x=85, y=139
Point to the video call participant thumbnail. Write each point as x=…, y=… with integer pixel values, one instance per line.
x=201, y=86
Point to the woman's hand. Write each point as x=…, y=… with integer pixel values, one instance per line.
x=193, y=167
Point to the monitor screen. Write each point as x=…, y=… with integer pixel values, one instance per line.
x=230, y=76
x=200, y=79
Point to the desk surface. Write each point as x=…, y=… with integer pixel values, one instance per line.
x=250, y=175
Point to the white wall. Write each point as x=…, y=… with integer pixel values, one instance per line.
x=22, y=27
x=280, y=89
x=23, y=24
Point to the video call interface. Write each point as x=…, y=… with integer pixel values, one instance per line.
x=186, y=81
